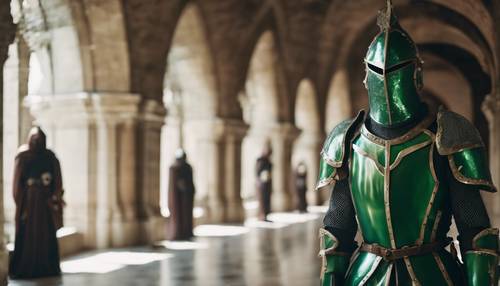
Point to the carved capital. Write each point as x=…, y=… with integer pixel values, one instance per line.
x=491, y=106
x=33, y=25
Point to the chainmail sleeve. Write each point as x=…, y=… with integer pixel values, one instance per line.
x=340, y=219
x=469, y=212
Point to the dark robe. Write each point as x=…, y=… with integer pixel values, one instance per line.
x=180, y=201
x=301, y=190
x=37, y=190
x=264, y=186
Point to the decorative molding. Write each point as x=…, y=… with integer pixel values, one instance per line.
x=83, y=107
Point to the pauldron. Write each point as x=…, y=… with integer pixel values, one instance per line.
x=460, y=141
x=336, y=150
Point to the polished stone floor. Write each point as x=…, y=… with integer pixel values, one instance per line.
x=281, y=252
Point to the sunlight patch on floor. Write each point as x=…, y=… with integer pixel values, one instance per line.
x=256, y=223
x=280, y=220
x=182, y=245
x=110, y=261
x=290, y=218
x=214, y=230
x=317, y=209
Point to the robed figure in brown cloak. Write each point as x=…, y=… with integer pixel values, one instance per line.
x=263, y=170
x=180, y=198
x=37, y=189
x=300, y=177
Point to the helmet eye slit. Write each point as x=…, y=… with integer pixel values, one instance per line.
x=375, y=69
x=399, y=66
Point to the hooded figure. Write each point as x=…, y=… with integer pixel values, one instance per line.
x=263, y=172
x=301, y=187
x=37, y=190
x=180, y=199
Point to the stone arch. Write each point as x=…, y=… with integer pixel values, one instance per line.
x=190, y=95
x=308, y=144
x=83, y=50
x=260, y=104
x=73, y=48
x=338, y=103
x=267, y=110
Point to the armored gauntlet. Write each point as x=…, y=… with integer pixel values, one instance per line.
x=481, y=262
x=335, y=263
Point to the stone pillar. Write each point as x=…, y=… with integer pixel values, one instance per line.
x=491, y=108
x=151, y=121
x=7, y=34
x=232, y=141
x=17, y=120
x=283, y=136
x=94, y=137
x=307, y=149
x=214, y=150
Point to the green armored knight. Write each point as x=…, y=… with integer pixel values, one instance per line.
x=399, y=174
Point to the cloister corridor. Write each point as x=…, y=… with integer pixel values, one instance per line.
x=120, y=86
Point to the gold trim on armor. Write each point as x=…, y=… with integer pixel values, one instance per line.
x=408, y=151
x=386, y=92
x=458, y=148
x=323, y=252
x=468, y=181
x=362, y=152
x=409, y=267
x=442, y=268
x=482, y=233
x=436, y=225
x=330, y=161
x=354, y=256
x=322, y=233
x=387, y=186
x=420, y=239
x=403, y=138
x=327, y=181
x=483, y=252
x=342, y=156
x=388, y=275
x=372, y=270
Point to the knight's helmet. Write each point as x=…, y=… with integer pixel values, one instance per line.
x=393, y=74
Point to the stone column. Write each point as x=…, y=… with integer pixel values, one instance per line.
x=283, y=136
x=151, y=120
x=307, y=149
x=232, y=141
x=17, y=120
x=7, y=34
x=491, y=108
x=214, y=150
x=94, y=137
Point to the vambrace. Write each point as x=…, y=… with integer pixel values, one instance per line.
x=335, y=263
x=481, y=261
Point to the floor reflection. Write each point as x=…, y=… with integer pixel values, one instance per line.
x=281, y=252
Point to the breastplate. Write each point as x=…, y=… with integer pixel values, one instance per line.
x=396, y=193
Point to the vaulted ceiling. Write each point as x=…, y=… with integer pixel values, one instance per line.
x=314, y=38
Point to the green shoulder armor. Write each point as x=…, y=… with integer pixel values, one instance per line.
x=460, y=141
x=336, y=149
